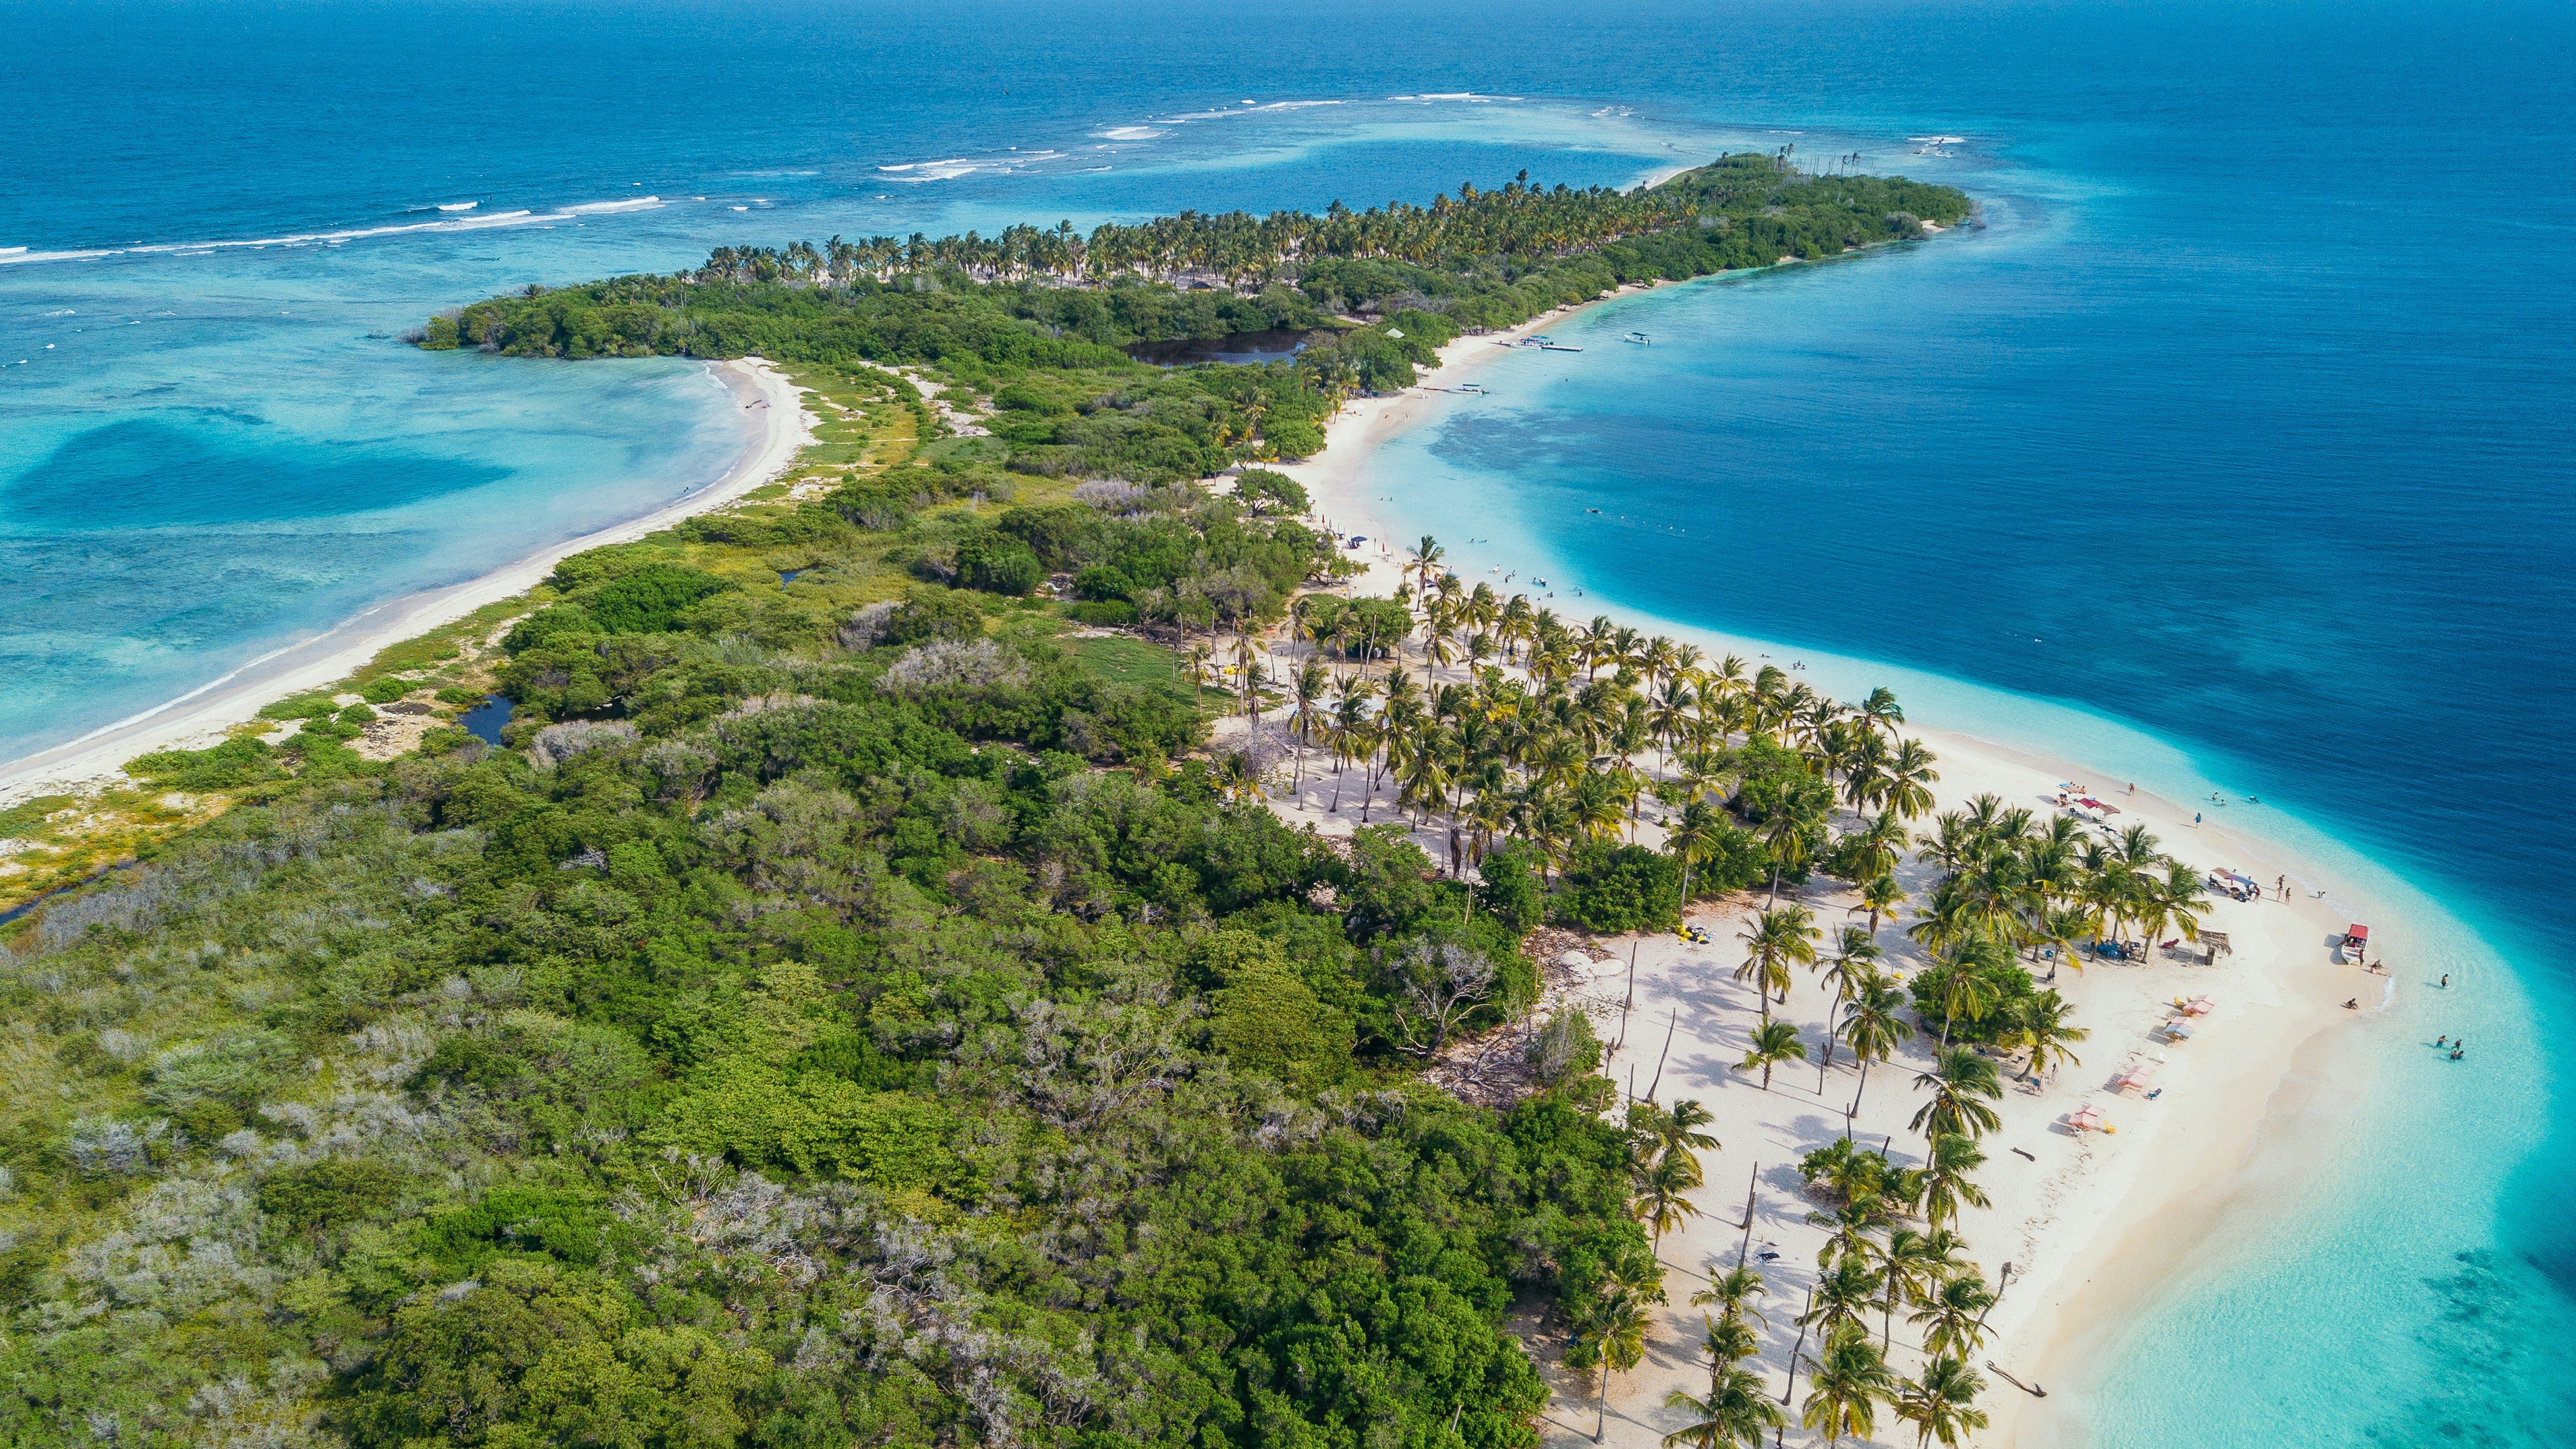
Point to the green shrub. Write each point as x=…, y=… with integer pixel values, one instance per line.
x=998, y=564
x=1107, y=613
x=1620, y=888
x=331, y=1193
x=234, y=763
x=651, y=599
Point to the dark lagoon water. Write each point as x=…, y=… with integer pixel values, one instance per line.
x=2234, y=449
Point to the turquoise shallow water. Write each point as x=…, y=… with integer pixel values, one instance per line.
x=2233, y=452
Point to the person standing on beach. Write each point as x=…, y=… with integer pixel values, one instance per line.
x=2283, y=885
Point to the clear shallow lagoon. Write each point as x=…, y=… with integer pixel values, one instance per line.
x=2233, y=453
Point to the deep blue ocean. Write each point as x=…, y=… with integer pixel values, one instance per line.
x=2233, y=449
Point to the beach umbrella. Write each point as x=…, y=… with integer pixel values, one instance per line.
x=2085, y=1119
x=2135, y=1077
x=2200, y=1006
x=2178, y=1028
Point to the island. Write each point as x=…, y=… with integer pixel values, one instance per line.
x=1011, y=930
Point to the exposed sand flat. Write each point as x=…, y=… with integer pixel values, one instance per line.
x=776, y=428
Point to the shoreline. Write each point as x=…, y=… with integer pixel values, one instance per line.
x=2242, y=1104
x=204, y=715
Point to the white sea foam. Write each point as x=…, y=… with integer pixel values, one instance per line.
x=458, y=205
x=920, y=171
x=1130, y=133
x=458, y=222
x=12, y=251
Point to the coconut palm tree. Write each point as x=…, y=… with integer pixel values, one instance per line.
x=1844, y=1292
x=1850, y=1380
x=1679, y=1132
x=1694, y=839
x=2040, y=1024
x=1879, y=844
x=1961, y=1083
x=1784, y=838
x=1352, y=730
x=1736, y=1414
x=1945, y=1184
x=1952, y=1320
x=1776, y=938
x=1910, y=778
x=1311, y=685
x=1856, y=958
x=1880, y=711
x=1612, y=1338
x=1420, y=559
x=1881, y=896
x=1662, y=1202
x=1942, y=1403
x=1911, y=1271
x=1965, y=982
x=1848, y=1228
x=1732, y=1293
x=1773, y=1042
x=1874, y=1025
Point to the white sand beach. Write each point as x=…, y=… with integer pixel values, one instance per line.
x=776, y=427
x=2092, y=1222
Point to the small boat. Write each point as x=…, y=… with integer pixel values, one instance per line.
x=1476, y=389
x=1557, y=347
x=1640, y=338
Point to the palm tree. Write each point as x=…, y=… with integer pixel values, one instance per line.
x=1784, y=837
x=2039, y=1023
x=1663, y=1201
x=1312, y=681
x=1880, y=711
x=1423, y=556
x=1843, y=1293
x=1777, y=937
x=1911, y=1270
x=1874, y=1025
x=1773, y=1042
x=1728, y=1340
x=1953, y=1317
x=1612, y=1338
x=1964, y=984
x=1910, y=778
x=1673, y=1135
x=1850, y=1379
x=1351, y=733
x=1941, y=1404
x=1961, y=1083
x=1855, y=962
x=1697, y=837
x=1881, y=896
x=1737, y=1413
x=1732, y=1293
x=1851, y=1224
x=1946, y=1186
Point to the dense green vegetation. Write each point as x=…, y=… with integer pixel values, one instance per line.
x=1033, y=319
x=797, y=1046
x=861, y=1009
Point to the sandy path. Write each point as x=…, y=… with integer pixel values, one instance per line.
x=200, y=718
